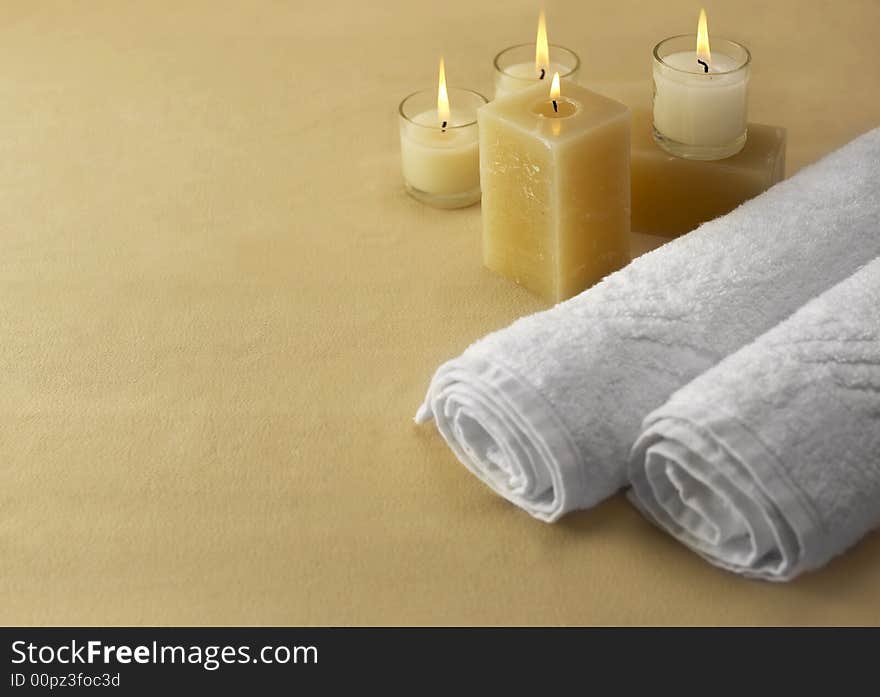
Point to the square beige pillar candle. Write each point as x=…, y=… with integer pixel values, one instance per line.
x=672, y=196
x=556, y=188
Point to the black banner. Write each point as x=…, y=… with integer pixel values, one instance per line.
x=135, y=661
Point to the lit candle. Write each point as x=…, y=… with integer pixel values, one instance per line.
x=556, y=187
x=700, y=95
x=439, y=145
x=523, y=65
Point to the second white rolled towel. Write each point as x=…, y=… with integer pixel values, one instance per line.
x=545, y=411
x=769, y=463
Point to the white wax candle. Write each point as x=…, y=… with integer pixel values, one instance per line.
x=521, y=75
x=700, y=108
x=522, y=66
x=439, y=145
x=440, y=161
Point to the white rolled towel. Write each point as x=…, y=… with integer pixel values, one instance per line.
x=546, y=411
x=768, y=464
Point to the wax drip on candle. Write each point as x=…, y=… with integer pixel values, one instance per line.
x=704, y=55
x=542, y=48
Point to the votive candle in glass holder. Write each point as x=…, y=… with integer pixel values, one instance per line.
x=524, y=65
x=700, y=96
x=439, y=145
x=515, y=67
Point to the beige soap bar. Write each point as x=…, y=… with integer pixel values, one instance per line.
x=672, y=196
x=556, y=188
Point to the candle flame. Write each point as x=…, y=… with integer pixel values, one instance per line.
x=542, y=49
x=554, y=87
x=442, y=96
x=703, y=52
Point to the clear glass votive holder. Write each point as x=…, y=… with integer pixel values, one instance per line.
x=700, y=115
x=441, y=159
x=515, y=67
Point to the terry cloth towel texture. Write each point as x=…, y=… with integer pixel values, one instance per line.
x=546, y=411
x=768, y=464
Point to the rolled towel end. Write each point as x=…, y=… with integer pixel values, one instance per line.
x=688, y=480
x=506, y=433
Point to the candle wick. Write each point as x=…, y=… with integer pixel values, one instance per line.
x=555, y=106
x=443, y=127
x=543, y=72
x=704, y=64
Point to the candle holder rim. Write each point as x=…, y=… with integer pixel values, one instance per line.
x=570, y=71
x=743, y=48
x=439, y=128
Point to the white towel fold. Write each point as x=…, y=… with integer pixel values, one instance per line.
x=768, y=464
x=545, y=411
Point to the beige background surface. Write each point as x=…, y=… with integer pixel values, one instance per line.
x=219, y=312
